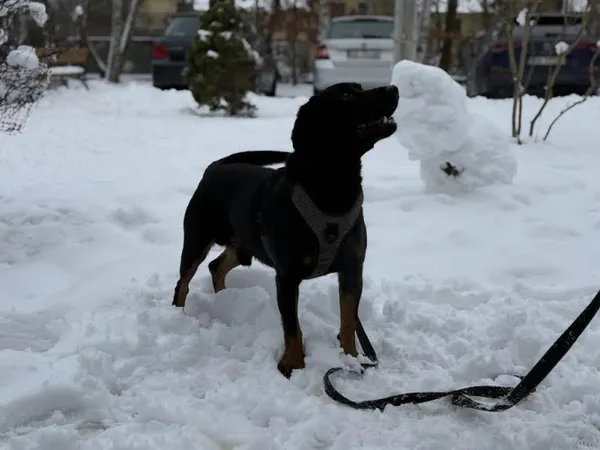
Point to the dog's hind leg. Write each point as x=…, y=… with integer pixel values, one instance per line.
x=221, y=266
x=225, y=263
x=194, y=252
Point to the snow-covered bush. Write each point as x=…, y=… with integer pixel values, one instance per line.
x=23, y=78
x=222, y=67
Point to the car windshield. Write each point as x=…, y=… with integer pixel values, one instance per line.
x=183, y=26
x=361, y=29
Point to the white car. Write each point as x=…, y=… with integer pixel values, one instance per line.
x=358, y=49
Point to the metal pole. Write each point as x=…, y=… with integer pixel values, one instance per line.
x=410, y=30
x=399, y=7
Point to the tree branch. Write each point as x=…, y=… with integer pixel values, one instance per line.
x=552, y=76
x=588, y=93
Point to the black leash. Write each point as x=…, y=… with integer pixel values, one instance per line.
x=506, y=397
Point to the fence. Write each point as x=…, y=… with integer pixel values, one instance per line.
x=137, y=57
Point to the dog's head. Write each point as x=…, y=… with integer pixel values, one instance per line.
x=345, y=118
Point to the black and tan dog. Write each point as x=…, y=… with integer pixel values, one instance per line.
x=304, y=219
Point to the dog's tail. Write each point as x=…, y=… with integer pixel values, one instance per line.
x=256, y=157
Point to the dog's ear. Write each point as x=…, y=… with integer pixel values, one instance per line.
x=317, y=120
x=308, y=122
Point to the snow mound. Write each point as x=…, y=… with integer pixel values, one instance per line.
x=437, y=128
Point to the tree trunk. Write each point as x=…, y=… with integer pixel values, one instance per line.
x=451, y=27
x=294, y=62
x=113, y=63
x=120, y=37
x=424, y=23
x=595, y=20
x=134, y=7
x=323, y=12
x=293, y=47
x=271, y=23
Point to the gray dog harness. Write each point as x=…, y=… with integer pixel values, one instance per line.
x=330, y=229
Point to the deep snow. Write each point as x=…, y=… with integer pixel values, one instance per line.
x=457, y=289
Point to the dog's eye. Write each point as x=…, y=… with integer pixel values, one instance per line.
x=346, y=95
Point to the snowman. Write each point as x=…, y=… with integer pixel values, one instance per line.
x=458, y=150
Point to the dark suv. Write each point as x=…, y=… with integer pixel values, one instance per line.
x=493, y=77
x=169, y=55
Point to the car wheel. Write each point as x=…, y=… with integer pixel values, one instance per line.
x=580, y=90
x=498, y=93
x=272, y=91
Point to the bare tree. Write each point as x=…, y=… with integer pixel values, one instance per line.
x=61, y=23
x=321, y=8
x=292, y=29
x=290, y=18
x=121, y=33
x=451, y=29
x=511, y=14
x=275, y=10
x=595, y=18
x=424, y=24
x=591, y=90
x=23, y=78
x=562, y=50
x=474, y=47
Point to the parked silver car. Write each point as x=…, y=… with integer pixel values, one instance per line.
x=357, y=49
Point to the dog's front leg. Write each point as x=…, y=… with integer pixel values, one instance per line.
x=287, y=302
x=350, y=290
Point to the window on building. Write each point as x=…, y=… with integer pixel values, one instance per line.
x=336, y=9
x=362, y=8
x=387, y=7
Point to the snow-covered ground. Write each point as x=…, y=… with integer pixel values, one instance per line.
x=458, y=288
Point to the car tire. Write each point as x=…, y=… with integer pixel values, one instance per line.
x=272, y=91
x=498, y=93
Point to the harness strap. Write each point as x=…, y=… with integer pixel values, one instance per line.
x=507, y=396
x=330, y=229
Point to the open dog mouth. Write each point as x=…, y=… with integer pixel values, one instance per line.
x=376, y=123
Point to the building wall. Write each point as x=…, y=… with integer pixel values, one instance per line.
x=153, y=13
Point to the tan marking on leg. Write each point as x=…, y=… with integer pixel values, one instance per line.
x=183, y=285
x=348, y=323
x=293, y=355
x=221, y=266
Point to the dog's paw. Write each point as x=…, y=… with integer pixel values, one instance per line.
x=350, y=348
x=287, y=365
